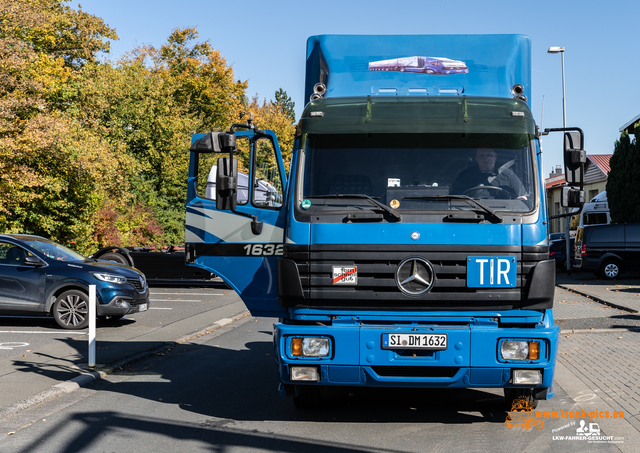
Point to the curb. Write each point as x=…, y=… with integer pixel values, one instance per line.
x=619, y=330
x=599, y=300
x=88, y=376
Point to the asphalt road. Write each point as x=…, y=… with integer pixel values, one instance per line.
x=218, y=393
x=167, y=305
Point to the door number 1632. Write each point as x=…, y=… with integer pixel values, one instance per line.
x=263, y=249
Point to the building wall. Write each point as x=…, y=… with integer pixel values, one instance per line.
x=554, y=197
x=595, y=181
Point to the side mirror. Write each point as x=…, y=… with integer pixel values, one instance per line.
x=575, y=167
x=215, y=142
x=227, y=183
x=572, y=198
x=575, y=158
x=31, y=260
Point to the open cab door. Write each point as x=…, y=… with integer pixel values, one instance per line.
x=235, y=212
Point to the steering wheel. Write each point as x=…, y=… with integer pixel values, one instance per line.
x=499, y=189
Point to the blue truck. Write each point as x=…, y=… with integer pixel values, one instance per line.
x=395, y=259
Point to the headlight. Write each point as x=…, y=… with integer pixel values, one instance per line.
x=527, y=377
x=310, y=347
x=520, y=350
x=304, y=373
x=110, y=278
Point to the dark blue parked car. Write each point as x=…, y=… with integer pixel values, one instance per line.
x=41, y=276
x=558, y=252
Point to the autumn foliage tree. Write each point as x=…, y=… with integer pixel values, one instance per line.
x=95, y=153
x=53, y=172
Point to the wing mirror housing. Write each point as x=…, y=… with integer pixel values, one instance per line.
x=575, y=166
x=215, y=142
x=31, y=260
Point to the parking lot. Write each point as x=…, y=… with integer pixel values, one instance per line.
x=218, y=362
x=35, y=354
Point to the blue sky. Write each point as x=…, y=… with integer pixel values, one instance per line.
x=265, y=43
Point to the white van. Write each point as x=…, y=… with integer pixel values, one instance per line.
x=266, y=194
x=596, y=212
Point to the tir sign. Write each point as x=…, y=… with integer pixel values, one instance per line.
x=491, y=271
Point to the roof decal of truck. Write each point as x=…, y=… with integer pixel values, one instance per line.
x=421, y=65
x=475, y=65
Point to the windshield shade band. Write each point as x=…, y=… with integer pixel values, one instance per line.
x=411, y=114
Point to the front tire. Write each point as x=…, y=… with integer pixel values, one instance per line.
x=71, y=310
x=115, y=257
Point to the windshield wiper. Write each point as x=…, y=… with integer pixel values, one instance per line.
x=470, y=201
x=364, y=197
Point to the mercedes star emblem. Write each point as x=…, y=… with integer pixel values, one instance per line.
x=415, y=276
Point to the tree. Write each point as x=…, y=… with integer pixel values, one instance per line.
x=623, y=183
x=269, y=115
x=147, y=105
x=94, y=153
x=54, y=173
x=286, y=104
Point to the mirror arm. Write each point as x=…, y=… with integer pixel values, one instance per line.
x=256, y=225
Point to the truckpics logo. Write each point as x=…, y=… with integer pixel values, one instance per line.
x=421, y=65
x=415, y=276
x=522, y=415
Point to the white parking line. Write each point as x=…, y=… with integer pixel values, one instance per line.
x=13, y=344
x=71, y=332
x=158, y=308
x=175, y=300
x=186, y=294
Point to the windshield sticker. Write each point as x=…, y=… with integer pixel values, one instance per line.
x=421, y=65
x=306, y=204
x=395, y=204
x=393, y=182
x=345, y=275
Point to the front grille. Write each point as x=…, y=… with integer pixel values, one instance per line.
x=416, y=371
x=377, y=266
x=135, y=282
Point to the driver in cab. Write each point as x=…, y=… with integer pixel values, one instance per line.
x=473, y=180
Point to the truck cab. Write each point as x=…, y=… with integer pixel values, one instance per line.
x=411, y=248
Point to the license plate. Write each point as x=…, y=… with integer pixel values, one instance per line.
x=142, y=307
x=436, y=341
x=492, y=271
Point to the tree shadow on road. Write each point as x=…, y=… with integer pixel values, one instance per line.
x=230, y=389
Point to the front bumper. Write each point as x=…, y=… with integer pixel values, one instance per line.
x=471, y=359
x=122, y=301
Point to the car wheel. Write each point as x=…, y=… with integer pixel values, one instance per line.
x=115, y=257
x=610, y=269
x=71, y=310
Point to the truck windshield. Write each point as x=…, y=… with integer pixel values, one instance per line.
x=419, y=172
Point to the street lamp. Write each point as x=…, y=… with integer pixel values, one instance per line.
x=560, y=50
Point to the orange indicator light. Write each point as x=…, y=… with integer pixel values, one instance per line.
x=296, y=347
x=534, y=350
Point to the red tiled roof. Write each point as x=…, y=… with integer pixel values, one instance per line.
x=602, y=161
x=557, y=180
